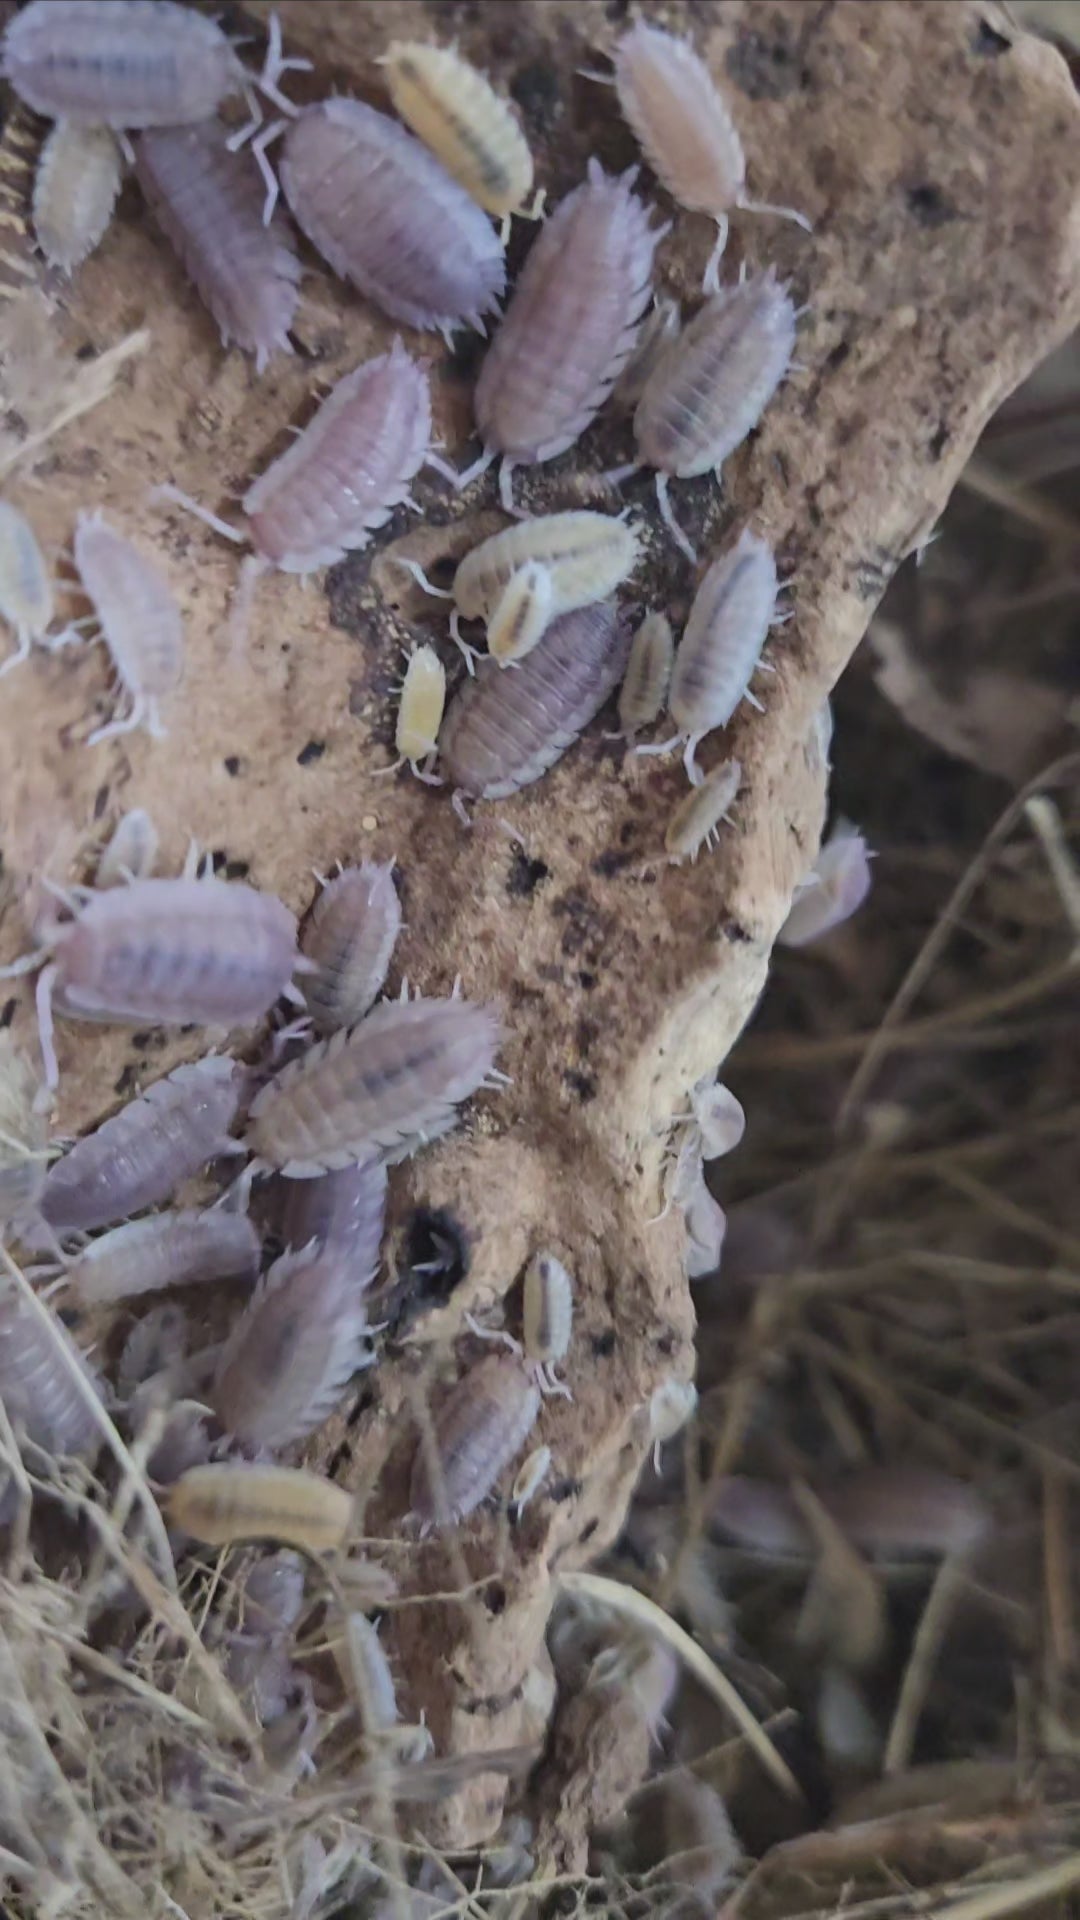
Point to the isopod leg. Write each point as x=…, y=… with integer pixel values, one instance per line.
x=711, y=281
x=506, y=490
x=139, y=715
x=462, y=811
x=615, y=476
x=275, y=65
x=693, y=771
x=471, y=653
x=490, y=1333
x=782, y=213
x=43, y=1000
x=659, y=746
x=423, y=771
x=417, y=571
x=166, y=491
x=22, y=652
x=258, y=147
x=669, y=520
x=548, y=1381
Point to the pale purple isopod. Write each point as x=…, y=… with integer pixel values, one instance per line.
x=388, y=217
x=721, y=646
x=345, y=1210
x=164, y=1250
x=273, y=1594
x=394, y=1079
x=126, y=63
x=713, y=385
x=547, y=1314
x=706, y=1226
x=504, y=730
x=350, y=935
x=834, y=889
x=157, y=1344
x=341, y=478
x=139, y=619
x=208, y=202
x=291, y=1354
x=26, y=594
x=142, y=1153
x=671, y=101
x=38, y=1364
x=476, y=1432
x=695, y=822
x=570, y=327
x=718, y=1116
x=165, y=953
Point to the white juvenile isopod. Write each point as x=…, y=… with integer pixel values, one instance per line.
x=696, y=820
x=24, y=1155
x=476, y=1432
x=569, y=329
x=522, y=616
x=729, y=622
x=26, y=595
x=533, y=1472
x=349, y=938
x=671, y=1405
x=713, y=385
x=671, y=101
x=131, y=852
x=834, y=889
x=164, y=953
x=385, y=1085
x=75, y=189
x=648, y=675
x=165, y=1250
x=139, y=621
x=456, y=112
x=420, y=712
x=547, y=1312
x=224, y=1503
x=291, y=1354
x=718, y=1116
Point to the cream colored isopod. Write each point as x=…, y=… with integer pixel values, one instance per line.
x=457, y=113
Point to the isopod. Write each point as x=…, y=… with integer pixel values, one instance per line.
x=648, y=675
x=671, y=1405
x=139, y=620
x=224, y=1503
x=164, y=1250
x=131, y=852
x=128, y=63
x=26, y=595
x=569, y=329
x=349, y=937
x=476, y=1432
x=75, y=189
x=547, y=1320
x=343, y=1210
x=208, y=202
x=164, y=953
x=834, y=889
x=671, y=101
x=713, y=385
x=706, y=1227
x=291, y=1354
x=142, y=1153
x=659, y=328
x=420, y=712
x=38, y=1364
x=504, y=730
x=394, y=1079
x=718, y=1116
x=522, y=616
x=157, y=1344
x=24, y=1154
x=341, y=478
x=533, y=1472
x=696, y=820
x=368, y=1669
x=273, y=1596
x=456, y=112
x=721, y=646
x=387, y=217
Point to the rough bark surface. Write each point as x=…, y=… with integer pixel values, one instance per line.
x=937, y=152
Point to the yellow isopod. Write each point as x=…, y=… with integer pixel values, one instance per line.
x=423, y=697
x=456, y=112
x=223, y=1503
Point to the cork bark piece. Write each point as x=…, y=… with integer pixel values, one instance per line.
x=937, y=152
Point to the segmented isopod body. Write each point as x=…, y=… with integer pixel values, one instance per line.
x=659, y=328
x=156, y=1344
x=120, y=63
x=395, y=1078
x=456, y=112
x=220, y=1504
x=208, y=202
x=26, y=596
x=420, y=712
x=139, y=619
x=293, y=1351
x=834, y=889
x=504, y=730
x=587, y=556
x=484, y=1421
x=350, y=936
x=165, y=1250
x=37, y=1364
x=131, y=852
x=648, y=675
x=366, y=1659
x=713, y=385
x=345, y=1210
x=696, y=820
x=140, y=1155
x=522, y=616
x=570, y=327
x=23, y=1133
x=547, y=1320
x=75, y=189
x=671, y=101
x=386, y=216
x=721, y=645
